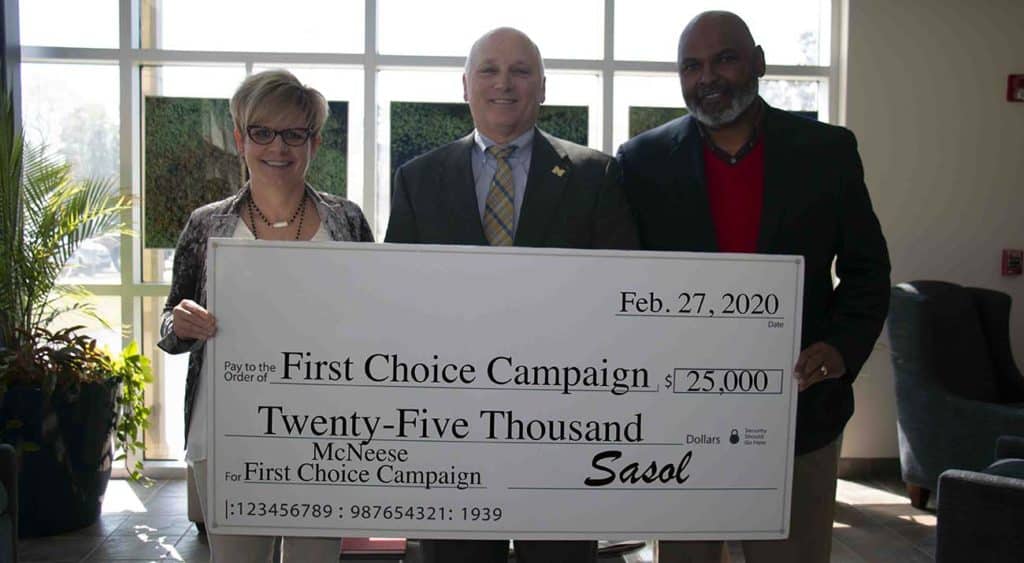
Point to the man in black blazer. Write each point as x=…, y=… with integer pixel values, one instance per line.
x=509, y=183
x=736, y=175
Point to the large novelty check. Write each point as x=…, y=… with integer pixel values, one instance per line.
x=456, y=392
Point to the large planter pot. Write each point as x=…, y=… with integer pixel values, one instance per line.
x=65, y=455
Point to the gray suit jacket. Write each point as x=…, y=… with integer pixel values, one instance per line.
x=434, y=200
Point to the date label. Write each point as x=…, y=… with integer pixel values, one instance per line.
x=743, y=305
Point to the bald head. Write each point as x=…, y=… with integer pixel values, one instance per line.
x=719, y=26
x=504, y=84
x=719, y=68
x=503, y=34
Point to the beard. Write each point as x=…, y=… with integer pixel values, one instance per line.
x=740, y=100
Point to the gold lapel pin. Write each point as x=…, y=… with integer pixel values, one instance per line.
x=558, y=171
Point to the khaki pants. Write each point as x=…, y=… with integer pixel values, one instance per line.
x=810, y=524
x=260, y=549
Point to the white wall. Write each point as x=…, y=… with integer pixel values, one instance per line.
x=944, y=159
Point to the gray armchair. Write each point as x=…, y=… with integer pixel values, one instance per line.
x=981, y=514
x=957, y=386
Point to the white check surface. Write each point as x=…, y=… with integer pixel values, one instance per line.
x=437, y=391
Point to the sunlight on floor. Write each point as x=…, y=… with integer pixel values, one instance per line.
x=857, y=494
x=922, y=519
x=121, y=498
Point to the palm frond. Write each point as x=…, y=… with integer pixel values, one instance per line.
x=70, y=301
x=45, y=216
x=11, y=228
x=87, y=210
x=42, y=175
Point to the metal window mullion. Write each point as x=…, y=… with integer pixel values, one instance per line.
x=374, y=62
x=608, y=76
x=417, y=61
x=797, y=71
x=840, y=10
x=12, y=58
x=76, y=54
x=434, y=61
x=131, y=313
x=126, y=171
x=164, y=56
x=135, y=290
x=372, y=197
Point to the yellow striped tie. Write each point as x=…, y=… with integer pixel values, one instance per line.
x=500, y=207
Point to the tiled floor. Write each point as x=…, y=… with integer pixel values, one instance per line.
x=874, y=523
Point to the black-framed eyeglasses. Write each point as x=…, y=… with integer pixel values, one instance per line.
x=265, y=135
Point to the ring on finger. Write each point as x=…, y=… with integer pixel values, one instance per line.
x=824, y=370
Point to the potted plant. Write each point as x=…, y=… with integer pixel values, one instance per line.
x=61, y=397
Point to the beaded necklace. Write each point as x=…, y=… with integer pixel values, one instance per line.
x=300, y=212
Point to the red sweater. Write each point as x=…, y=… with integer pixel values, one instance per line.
x=736, y=193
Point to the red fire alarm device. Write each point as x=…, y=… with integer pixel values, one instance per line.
x=1015, y=88
x=1012, y=262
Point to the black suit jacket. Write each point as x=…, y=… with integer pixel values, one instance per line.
x=434, y=199
x=815, y=205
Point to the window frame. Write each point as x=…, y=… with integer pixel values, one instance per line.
x=131, y=56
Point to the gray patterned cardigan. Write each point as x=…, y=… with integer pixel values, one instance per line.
x=342, y=219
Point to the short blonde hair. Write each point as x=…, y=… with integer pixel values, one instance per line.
x=270, y=93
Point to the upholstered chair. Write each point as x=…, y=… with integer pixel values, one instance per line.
x=981, y=514
x=957, y=386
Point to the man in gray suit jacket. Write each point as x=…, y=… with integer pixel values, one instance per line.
x=509, y=183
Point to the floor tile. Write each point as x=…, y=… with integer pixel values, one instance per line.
x=171, y=527
x=843, y=554
x=192, y=551
x=177, y=487
x=103, y=527
x=56, y=549
x=162, y=504
x=144, y=490
x=880, y=544
x=118, y=548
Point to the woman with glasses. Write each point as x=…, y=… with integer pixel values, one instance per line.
x=277, y=131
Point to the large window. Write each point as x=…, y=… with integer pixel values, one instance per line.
x=136, y=90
